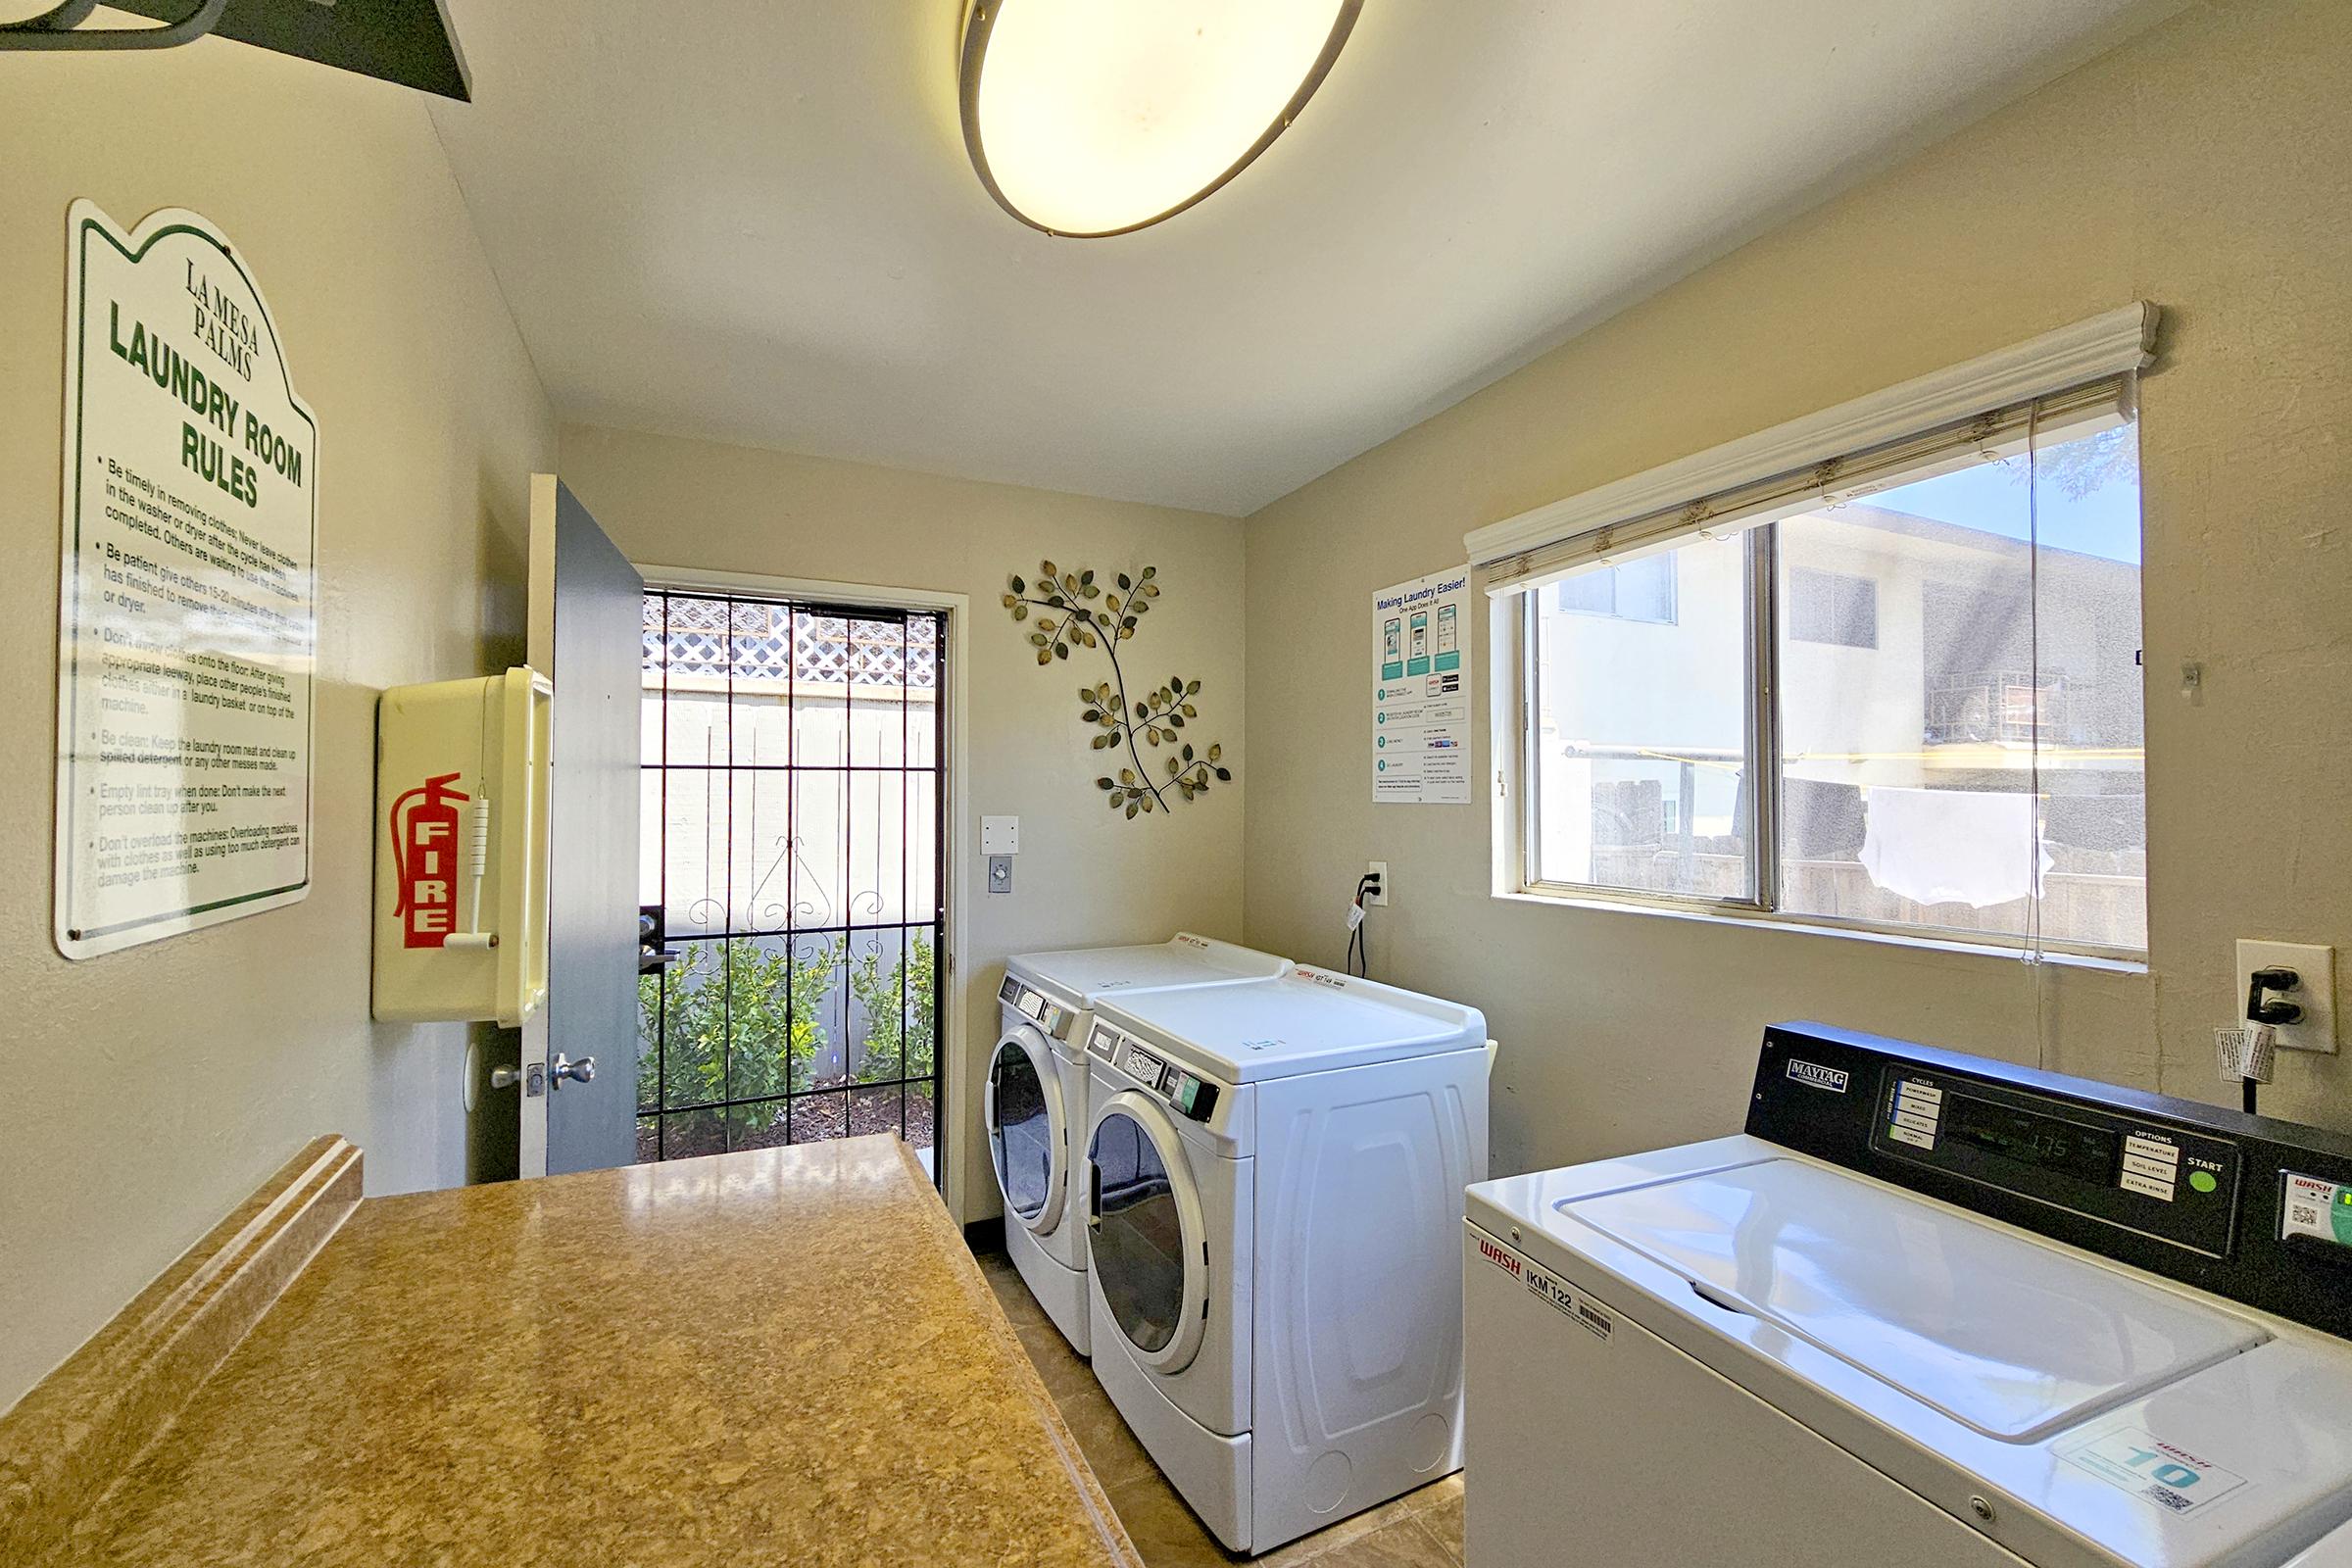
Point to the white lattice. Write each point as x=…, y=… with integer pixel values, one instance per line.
x=752, y=639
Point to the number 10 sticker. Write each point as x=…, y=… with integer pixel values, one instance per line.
x=2163, y=1473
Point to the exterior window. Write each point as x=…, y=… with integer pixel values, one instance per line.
x=1830, y=606
x=1979, y=773
x=1641, y=732
x=1636, y=590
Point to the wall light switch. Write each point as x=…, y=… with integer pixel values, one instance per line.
x=1000, y=835
x=999, y=873
x=2315, y=970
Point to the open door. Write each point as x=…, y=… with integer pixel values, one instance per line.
x=586, y=602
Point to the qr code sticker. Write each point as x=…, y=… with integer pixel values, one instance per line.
x=2305, y=1214
x=2170, y=1498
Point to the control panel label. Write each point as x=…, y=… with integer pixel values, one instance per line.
x=2162, y=1473
x=1143, y=1065
x=1549, y=1289
x=2318, y=1208
x=1571, y=1304
x=1820, y=1077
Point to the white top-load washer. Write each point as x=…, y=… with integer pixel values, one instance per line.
x=1927, y=1309
x=1033, y=1098
x=1274, y=1186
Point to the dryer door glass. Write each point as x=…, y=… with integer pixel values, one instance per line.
x=1139, y=1241
x=1023, y=1142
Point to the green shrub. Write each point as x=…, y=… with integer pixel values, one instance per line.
x=900, y=1010
x=775, y=1014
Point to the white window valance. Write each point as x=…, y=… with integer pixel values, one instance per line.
x=2058, y=386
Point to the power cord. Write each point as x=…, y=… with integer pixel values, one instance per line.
x=1360, y=958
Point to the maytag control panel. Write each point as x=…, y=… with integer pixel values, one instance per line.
x=1193, y=1096
x=2135, y=1172
x=2252, y=1208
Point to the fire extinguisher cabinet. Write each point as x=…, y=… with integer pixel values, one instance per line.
x=461, y=861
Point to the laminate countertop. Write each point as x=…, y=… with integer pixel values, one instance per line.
x=778, y=1356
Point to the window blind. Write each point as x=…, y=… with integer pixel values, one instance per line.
x=2087, y=376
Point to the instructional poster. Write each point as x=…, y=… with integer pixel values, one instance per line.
x=188, y=609
x=1421, y=690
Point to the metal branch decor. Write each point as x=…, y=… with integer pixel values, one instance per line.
x=1071, y=607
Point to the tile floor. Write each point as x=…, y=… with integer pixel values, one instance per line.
x=1421, y=1530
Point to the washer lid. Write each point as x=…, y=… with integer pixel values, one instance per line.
x=1082, y=974
x=1307, y=1020
x=2012, y=1336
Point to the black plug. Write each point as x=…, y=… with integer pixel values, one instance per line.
x=2260, y=1011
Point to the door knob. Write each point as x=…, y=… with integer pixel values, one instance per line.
x=579, y=1072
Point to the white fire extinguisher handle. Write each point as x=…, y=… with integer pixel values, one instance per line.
x=480, y=855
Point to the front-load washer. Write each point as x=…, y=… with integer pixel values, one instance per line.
x=1926, y=1309
x=1273, y=1194
x=1033, y=1098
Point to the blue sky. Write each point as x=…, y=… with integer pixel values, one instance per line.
x=1992, y=497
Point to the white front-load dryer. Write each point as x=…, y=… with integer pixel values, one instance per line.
x=1035, y=1097
x=1272, y=1189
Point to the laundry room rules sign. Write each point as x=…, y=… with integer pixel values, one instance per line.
x=189, y=609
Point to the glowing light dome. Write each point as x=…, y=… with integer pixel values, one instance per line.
x=1091, y=118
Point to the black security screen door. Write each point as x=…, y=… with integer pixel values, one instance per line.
x=792, y=808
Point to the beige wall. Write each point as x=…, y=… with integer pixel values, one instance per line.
x=2206, y=165
x=151, y=1090
x=1085, y=876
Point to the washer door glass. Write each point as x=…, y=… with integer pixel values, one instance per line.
x=1024, y=1139
x=1139, y=1242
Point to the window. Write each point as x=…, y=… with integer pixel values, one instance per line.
x=1638, y=792
x=1638, y=590
x=1981, y=773
x=1830, y=606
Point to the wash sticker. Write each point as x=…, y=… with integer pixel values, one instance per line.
x=1502, y=1258
x=1564, y=1300
x=2159, y=1472
x=2317, y=1208
x=1554, y=1291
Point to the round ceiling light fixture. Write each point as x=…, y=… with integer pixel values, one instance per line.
x=1092, y=117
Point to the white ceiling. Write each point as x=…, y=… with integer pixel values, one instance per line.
x=754, y=221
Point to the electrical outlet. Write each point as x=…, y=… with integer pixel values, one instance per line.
x=1378, y=899
x=2315, y=970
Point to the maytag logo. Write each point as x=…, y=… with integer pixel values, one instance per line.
x=1820, y=1077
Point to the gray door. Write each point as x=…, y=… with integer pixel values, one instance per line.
x=596, y=601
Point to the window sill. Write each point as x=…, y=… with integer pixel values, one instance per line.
x=1797, y=926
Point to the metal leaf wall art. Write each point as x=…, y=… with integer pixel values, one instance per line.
x=1066, y=609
